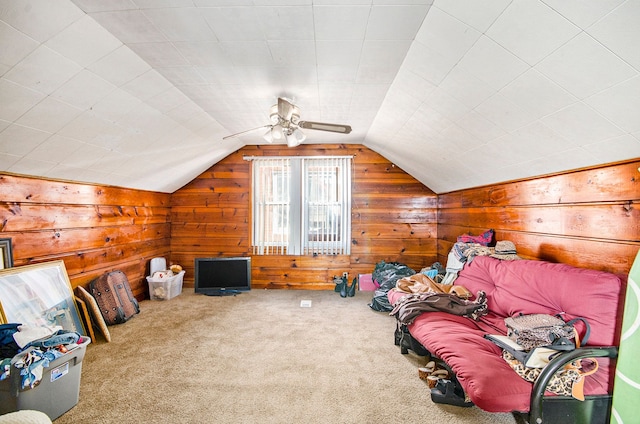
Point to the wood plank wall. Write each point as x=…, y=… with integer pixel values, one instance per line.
x=588, y=218
x=93, y=229
x=393, y=219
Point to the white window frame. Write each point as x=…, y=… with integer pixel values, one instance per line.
x=290, y=204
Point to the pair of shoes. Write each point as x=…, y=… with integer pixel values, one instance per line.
x=341, y=286
x=427, y=370
x=450, y=393
x=352, y=288
x=432, y=374
x=344, y=289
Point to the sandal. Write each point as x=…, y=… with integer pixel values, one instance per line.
x=425, y=372
x=430, y=367
x=440, y=373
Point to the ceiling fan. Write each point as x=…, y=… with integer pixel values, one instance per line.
x=286, y=125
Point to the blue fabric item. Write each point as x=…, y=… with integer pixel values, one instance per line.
x=431, y=273
x=32, y=365
x=60, y=337
x=5, y=368
x=6, y=332
x=8, y=346
x=465, y=252
x=458, y=251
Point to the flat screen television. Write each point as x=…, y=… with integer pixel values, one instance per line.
x=222, y=276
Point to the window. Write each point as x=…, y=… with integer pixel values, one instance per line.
x=301, y=205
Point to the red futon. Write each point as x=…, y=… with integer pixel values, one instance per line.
x=516, y=287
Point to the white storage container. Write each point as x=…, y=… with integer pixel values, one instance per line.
x=57, y=392
x=165, y=289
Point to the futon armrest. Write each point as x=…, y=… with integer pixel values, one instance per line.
x=535, y=412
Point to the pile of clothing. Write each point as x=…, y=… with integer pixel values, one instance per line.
x=386, y=274
x=425, y=295
x=468, y=247
x=31, y=350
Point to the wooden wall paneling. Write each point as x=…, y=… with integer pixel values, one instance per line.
x=136, y=271
x=92, y=228
x=384, y=186
x=396, y=247
x=393, y=216
x=210, y=229
x=44, y=242
x=17, y=215
x=207, y=199
x=14, y=188
x=393, y=219
x=396, y=231
x=92, y=261
x=613, y=221
x=588, y=218
x=211, y=214
x=214, y=246
x=614, y=183
x=298, y=272
x=605, y=255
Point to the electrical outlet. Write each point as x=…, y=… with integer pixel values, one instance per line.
x=345, y=274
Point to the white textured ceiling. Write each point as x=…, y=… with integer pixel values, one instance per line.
x=459, y=93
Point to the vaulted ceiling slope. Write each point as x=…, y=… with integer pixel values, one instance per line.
x=459, y=93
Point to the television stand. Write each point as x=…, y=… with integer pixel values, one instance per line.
x=223, y=293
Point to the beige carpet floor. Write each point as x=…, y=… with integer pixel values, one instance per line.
x=258, y=357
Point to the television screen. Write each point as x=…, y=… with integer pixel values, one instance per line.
x=222, y=276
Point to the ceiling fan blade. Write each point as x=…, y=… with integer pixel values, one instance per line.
x=244, y=132
x=285, y=109
x=321, y=126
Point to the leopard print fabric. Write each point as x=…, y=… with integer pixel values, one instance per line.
x=561, y=383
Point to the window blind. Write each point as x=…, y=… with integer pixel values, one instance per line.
x=301, y=205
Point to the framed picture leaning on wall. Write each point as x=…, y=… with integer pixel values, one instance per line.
x=6, y=255
x=39, y=295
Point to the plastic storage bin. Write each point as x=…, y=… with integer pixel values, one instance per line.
x=166, y=289
x=58, y=391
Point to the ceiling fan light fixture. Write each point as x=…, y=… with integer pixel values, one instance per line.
x=299, y=135
x=267, y=136
x=277, y=132
x=292, y=140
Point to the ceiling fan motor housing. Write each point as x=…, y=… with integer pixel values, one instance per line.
x=276, y=119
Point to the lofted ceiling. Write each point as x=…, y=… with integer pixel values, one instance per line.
x=458, y=93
